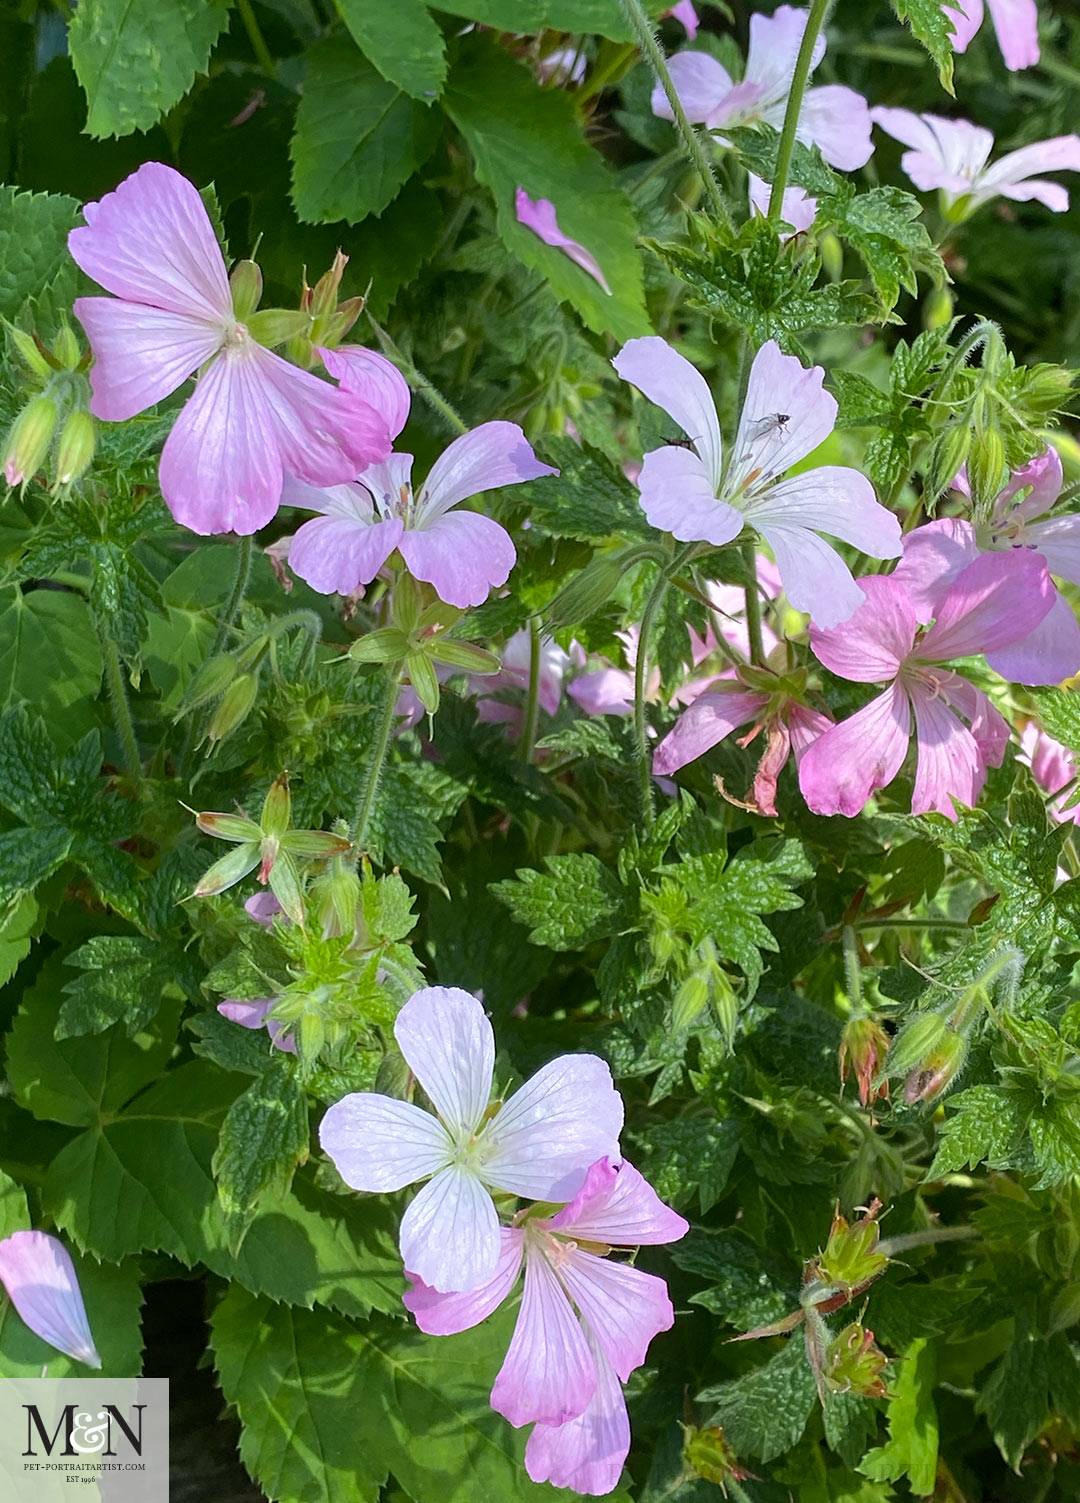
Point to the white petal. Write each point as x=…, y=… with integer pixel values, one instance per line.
x=379, y=1143
x=450, y=1233
x=450, y=1048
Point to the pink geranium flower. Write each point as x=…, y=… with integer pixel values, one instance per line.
x=990, y=604
x=584, y=1325
x=1016, y=23
x=539, y=1144
x=254, y=1015
x=1053, y=766
x=515, y=674
x=787, y=414
x=797, y=207
x=936, y=553
x=252, y=416
x=40, y=1278
x=834, y=118
x=953, y=155
x=538, y=215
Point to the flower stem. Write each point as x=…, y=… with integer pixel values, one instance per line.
x=641, y=677
x=646, y=36
x=262, y=52
x=118, y=700
x=532, y=702
x=245, y=553
x=753, y=606
x=803, y=63
x=852, y=969
x=377, y=760
x=418, y=381
x=890, y=1246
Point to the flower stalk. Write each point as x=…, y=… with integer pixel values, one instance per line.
x=815, y=21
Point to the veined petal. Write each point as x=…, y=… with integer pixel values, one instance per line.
x=450, y=1232
x=449, y=1045
x=993, y=602
x=483, y=459
x=445, y=1314
x=1016, y=168
x=1046, y=655
x=463, y=554
x=1017, y=25
x=677, y=496
x=671, y=383
x=831, y=499
x=378, y=1143
x=774, y=46
x=869, y=648
x=336, y=555
x=948, y=153
x=151, y=241
x=624, y=1307
x=325, y=434
x=609, y=691
x=1058, y=540
x=988, y=725
x=700, y=82
x=1042, y=478
x=787, y=413
x=805, y=725
x=965, y=22
x=538, y=215
x=140, y=354
x=372, y=377
x=585, y=1454
x=815, y=577
x=949, y=765
x=549, y=1374
x=934, y=555
x=544, y=1139
x=39, y=1276
x=850, y=762
x=837, y=121
x=617, y=1205
x=708, y=720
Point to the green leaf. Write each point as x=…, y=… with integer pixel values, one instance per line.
x=263, y=1138
x=984, y=1123
x=931, y=25
x=728, y=899
x=576, y=902
x=764, y=1413
x=1059, y=713
x=122, y=981
x=691, y=1155
x=358, y=138
x=589, y=498
x=912, y=1449
x=1014, y=1398
x=33, y=243
x=329, y=1409
x=137, y=58
x=402, y=41
x=758, y=146
x=884, y=227
x=748, y=1286
x=531, y=16
x=49, y=658
x=523, y=136
x=17, y=929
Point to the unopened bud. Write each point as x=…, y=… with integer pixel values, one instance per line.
x=1046, y=387
x=707, y=1454
x=210, y=680
x=274, y=326
x=986, y=468
x=948, y=457
x=236, y=704
x=29, y=440
x=66, y=348
x=725, y=1004
x=246, y=286
x=341, y=321
x=854, y=1363
x=937, y=1069
x=863, y=1047
x=277, y=808
x=849, y=1263
x=937, y=309
x=30, y=352
x=586, y=594
x=918, y=1038
x=78, y=440
x=690, y=1001
x=832, y=256
x=336, y=895
x=310, y=1035
x=324, y=295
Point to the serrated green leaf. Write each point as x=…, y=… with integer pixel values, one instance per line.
x=263, y=1138
x=984, y=1123
x=574, y=903
x=402, y=41
x=122, y=981
x=33, y=243
x=764, y=1413
x=691, y=1155
x=532, y=16
x=1014, y=1398
x=884, y=227
x=748, y=1286
x=49, y=658
x=1059, y=713
x=930, y=23
x=912, y=1449
x=589, y=498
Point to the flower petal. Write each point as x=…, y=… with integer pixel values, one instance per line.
x=450, y=1232
x=700, y=82
x=1018, y=168
x=253, y=1015
x=463, y=554
x=988, y=725
x=831, y=499
x=151, y=241
x=624, y=1307
x=40, y=1278
x=965, y=22
x=949, y=765
x=538, y=215
x=544, y=1139
x=586, y=1454
x=325, y=434
x=1017, y=25
x=948, y=154
x=609, y=691
x=378, y=1143
x=774, y=47
x=549, y=1374
x=483, y=459
x=372, y=377
x=837, y=121
x=449, y=1045
x=934, y=555
x=671, y=383
x=993, y=602
x=850, y=762
x=617, y=1205
x=870, y=646
x=816, y=578
x=786, y=415
x=1042, y=477
x=336, y=555
x=1046, y=655
x=1058, y=540
x=677, y=496
x=445, y=1314
x=709, y=719
x=140, y=354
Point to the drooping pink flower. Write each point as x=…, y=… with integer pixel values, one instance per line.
x=538, y=215
x=787, y=414
x=991, y=603
x=1053, y=766
x=584, y=1325
x=833, y=118
x=264, y=908
x=539, y=1144
x=953, y=155
x=40, y=1278
x=253, y=416
x=797, y=207
x=254, y=1015
x=1016, y=23
x=935, y=553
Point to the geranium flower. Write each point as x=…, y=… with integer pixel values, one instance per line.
x=990, y=604
x=953, y=154
x=834, y=118
x=564, y=1364
x=935, y=553
x=515, y=673
x=252, y=416
x=254, y=1015
x=538, y=215
x=1016, y=23
x=797, y=207
x=40, y=1278
x=787, y=414
x=539, y=1144
x=1053, y=766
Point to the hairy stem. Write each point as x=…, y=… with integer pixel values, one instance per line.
x=118, y=700
x=890, y=1246
x=852, y=968
x=641, y=677
x=417, y=380
x=377, y=760
x=532, y=702
x=245, y=553
x=814, y=22
x=753, y=605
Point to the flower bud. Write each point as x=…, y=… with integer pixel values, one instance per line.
x=863, y=1047
x=66, y=348
x=937, y=310
x=690, y=1000
x=29, y=440
x=274, y=326
x=587, y=593
x=1046, y=387
x=32, y=356
x=937, y=1069
x=948, y=457
x=832, y=255
x=246, y=285
x=209, y=681
x=336, y=895
x=236, y=704
x=341, y=321
x=854, y=1363
x=919, y=1036
x=78, y=440
x=986, y=467
x=277, y=808
x=321, y=300
x=849, y=1263
x=707, y=1454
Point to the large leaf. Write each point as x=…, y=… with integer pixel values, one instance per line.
x=403, y=42
x=33, y=243
x=603, y=16
x=49, y=657
x=523, y=136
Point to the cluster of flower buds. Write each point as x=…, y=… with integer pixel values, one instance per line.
x=54, y=429
x=706, y=984
x=707, y=1454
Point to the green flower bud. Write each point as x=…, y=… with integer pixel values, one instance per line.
x=863, y=1047
x=321, y=300
x=690, y=1001
x=277, y=808
x=587, y=593
x=66, y=348
x=236, y=704
x=29, y=441
x=832, y=255
x=707, y=1454
x=948, y=457
x=918, y=1038
x=78, y=440
x=246, y=285
x=274, y=326
x=336, y=895
x=848, y=1265
x=937, y=1069
x=32, y=357
x=854, y=1363
x=1047, y=387
x=209, y=681
x=987, y=468
x=341, y=321
x=937, y=309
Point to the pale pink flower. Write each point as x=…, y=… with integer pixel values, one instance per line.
x=566, y=65
x=608, y=690
x=935, y=553
x=787, y=414
x=264, y=908
x=584, y=1325
x=991, y=603
x=1053, y=766
x=254, y=1015
x=687, y=18
x=539, y=1144
x=834, y=118
x=538, y=215
x=953, y=155
x=40, y=1278
x=252, y=416
x=515, y=674
x=1016, y=23
x=797, y=207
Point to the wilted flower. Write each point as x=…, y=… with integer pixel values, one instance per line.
x=863, y=1047
x=854, y=1363
x=40, y=1278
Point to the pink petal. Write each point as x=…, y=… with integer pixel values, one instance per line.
x=449, y=1045
x=816, y=578
x=140, y=354
x=549, y=1374
x=706, y=723
x=446, y=1314
x=948, y=154
x=40, y=1278
x=687, y=18
x=988, y=725
x=850, y=762
x=1053, y=766
x=624, y=1307
x=378, y=1143
x=797, y=208
x=831, y=499
x=463, y=554
x=677, y=496
x=151, y=241
x=325, y=434
x=336, y=555
x=934, y=555
x=700, y=82
x=965, y=22
x=1046, y=655
x=1017, y=25
x=617, y=1205
x=610, y=691
x=493, y=455
x=869, y=648
x=450, y=1232
x=671, y=383
x=253, y=1015
x=837, y=121
x=538, y=215
x=805, y=726
x=780, y=386
x=1014, y=175
x=373, y=378
x=586, y=1454
x=774, y=46
x=1058, y=540
x=1043, y=479
x=949, y=765
x=561, y=1121
x=993, y=602
x=264, y=908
